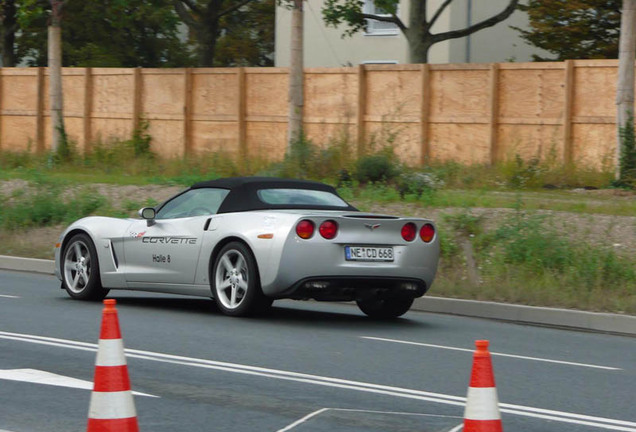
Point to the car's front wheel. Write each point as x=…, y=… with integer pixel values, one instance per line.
x=237, y=289
x=385, y=308
x=80, y=269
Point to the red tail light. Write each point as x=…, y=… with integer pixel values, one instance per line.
x=305, y=229
x=328, y=229
x=427, y=232
x=409, y=231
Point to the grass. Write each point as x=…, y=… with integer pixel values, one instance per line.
x=523, y=257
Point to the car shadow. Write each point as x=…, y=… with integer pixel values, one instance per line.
x=308, y=313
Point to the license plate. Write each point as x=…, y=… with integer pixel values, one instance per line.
x=368, y=253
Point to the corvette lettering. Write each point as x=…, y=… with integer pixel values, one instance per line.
x=170, y=240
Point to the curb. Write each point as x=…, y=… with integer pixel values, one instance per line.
x=31, y=265
x=532, y=315
x=566, y=318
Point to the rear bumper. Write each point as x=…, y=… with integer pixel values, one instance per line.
x=339, y=288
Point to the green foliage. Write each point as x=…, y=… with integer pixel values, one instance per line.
x=581, y=29
x=230, y=34
x=66, y=150
x=521, y=174
x=532, y=246
x=378, y=192
x=110, y=33
x=417, y=183
x=449, y=249
x=48, y=205
x=141, y=139
x=465, y=223
x=525, y=259
x=381, y=166
x=134, y=154
x=627, y=162
x=306, y=160
x=247, y=38
x=349, y=12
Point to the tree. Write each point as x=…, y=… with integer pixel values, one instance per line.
x=247, y=38
x=108, y=33
x=124, y=33
x=55, y=74
x=8, y=29
x=626, y=152
x=296, y=77
x=418, y=32
x=573, y=29
x=211, y=20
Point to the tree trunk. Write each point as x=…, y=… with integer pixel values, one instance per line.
x=7, y=33
x=207, y=38
x=294, y=131
x=417, y=34
x=55, y=85
x=625, y=86
x=418, y=49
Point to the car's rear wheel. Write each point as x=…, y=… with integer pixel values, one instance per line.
x=237, y=289
x=385, y=308
x=80, y=269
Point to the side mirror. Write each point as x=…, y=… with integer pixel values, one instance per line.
x=149, y=214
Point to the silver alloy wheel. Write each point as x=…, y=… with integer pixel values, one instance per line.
x=232, y=279
x=77, y=266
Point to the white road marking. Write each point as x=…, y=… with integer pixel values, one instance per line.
x=36, y=376
x=9, y=296
x=457, y=428
x=303, y=420
x=322, y=410
x=492, y=353
x=525, y=411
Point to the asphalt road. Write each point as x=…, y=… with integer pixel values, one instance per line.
x=306, y=367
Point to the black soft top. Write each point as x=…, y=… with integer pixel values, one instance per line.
x=243, y=193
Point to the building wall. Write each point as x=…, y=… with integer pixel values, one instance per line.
x=499, y=43
x=325, y=46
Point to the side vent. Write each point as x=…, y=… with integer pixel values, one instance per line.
x=113, y=255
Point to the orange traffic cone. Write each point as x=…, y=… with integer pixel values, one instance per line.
x=112, y=408
x=482, y=406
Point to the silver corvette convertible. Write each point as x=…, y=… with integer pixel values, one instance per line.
x=247, y=241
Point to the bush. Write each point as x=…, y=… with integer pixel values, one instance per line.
x=627, y=162
x=417, y=183
x=529, y=244
x=47, y=206
x=378, y=167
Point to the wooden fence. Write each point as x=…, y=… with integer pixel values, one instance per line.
x=470, y=113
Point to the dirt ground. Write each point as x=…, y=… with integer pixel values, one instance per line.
x=597, y=230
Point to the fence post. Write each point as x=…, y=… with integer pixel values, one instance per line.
x=241, y=112
x=494, y=114
x=137, y=93
x=39, y=119
x=567, y=111
x=187, y=112
x=362, y=103
x=425, y=109
x=88, y=109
